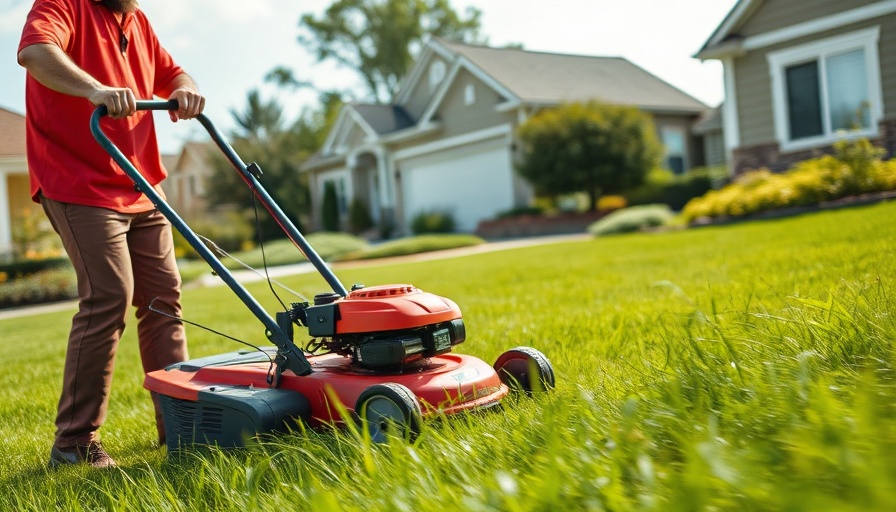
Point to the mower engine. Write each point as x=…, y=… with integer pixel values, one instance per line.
x=383, y=328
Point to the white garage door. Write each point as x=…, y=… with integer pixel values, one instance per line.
x=473, y=183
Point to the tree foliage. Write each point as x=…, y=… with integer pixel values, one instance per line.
x=330, y=207
x=379, y=38
x=263, y=137
x=590, y=147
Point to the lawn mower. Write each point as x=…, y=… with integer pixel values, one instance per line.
x=380, y=356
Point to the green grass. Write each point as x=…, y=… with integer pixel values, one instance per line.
x=745, y=367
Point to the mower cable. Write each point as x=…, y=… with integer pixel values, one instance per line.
x=226, y=254
x=209, y=329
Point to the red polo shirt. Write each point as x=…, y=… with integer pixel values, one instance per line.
x=65, y=161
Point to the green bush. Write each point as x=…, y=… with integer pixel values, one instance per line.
x=856, y=168
x=44, y=286
x=329, y=246
x=24, y=268
x=664, y=187
x=359, y=216
x=633, y=218
x=415, y=245
x=230, y=231
x=330, y=208
x=434, y=221
x=520, y=211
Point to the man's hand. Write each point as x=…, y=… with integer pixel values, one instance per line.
x=190, y=103
x=119, y=101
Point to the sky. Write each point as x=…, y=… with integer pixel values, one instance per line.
x=228, y=47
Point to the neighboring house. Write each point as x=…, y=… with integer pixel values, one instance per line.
x=15, y=189
x=801, y=74
x=447, y=141
x=185, y=185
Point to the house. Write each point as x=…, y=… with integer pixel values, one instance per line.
x=447, y=140
x=15, y=189
x=801, y=74
x=185, y=185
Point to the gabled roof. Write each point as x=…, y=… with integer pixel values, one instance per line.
x=374, y=119
x=12, y=133
x=725, y=39
x=383, y=119
x=549, y=78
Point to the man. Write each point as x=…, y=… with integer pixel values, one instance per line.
x=81, y=54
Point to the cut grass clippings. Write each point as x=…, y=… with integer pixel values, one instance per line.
x=742, y=367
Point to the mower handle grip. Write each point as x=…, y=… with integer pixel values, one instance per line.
x=102, y=110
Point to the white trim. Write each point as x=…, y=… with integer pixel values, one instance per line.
x=5, y=217
x=440, y=145
x=734, y=16
x=717, y=47
x=820, y=25
x=730, y=120
x=465, y=63
x=866, y=39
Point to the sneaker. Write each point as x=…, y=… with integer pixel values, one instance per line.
x=93, y=454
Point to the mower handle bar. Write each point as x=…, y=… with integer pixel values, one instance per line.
x=296, y=360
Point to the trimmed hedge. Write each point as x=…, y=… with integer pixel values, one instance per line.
x=45, y=286
x=633, y=218
x=856, y=169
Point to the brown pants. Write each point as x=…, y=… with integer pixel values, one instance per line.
x=119, y=259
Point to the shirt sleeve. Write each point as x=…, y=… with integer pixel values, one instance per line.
x=49, y=22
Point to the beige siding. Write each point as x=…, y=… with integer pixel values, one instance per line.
x=754, y=90
x=420, y=97
x=778, y=14
x=459, y=118
x=19, y=189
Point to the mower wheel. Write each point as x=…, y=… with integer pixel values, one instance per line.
x=515, y=367
x=389, y=410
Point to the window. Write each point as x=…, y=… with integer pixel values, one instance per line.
x=676, y=154
x=826, y=88
x=469, y=94
x=436, y=74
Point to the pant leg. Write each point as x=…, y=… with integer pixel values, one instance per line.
x=96, y=242
x=156, y=281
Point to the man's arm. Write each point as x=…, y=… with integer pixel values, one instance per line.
x=50, y=66
x=183, y=89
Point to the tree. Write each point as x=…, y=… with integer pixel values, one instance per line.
x=330, y=207
x=594, y=148
x=263, y=137
x=379, y=38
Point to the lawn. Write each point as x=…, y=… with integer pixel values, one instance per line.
x=745, y=367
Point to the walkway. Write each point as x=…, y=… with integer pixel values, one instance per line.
x=247, y=276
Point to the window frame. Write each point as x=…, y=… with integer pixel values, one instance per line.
x=819, y=51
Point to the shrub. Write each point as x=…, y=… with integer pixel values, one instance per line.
x=676, y=190
x=230, y=231
x=520, y=211
x=25, y=268
x=416, y=245
x=330, y=208
x=607, y=203
x=45, y=286
x=856, y=168
x=633, y=218
x=434, y=221
x=359, y=216
x=33, y=236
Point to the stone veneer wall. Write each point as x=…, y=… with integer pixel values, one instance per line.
x=770, y=157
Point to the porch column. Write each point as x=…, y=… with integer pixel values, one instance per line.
x=730, y=122
x=5, y=218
